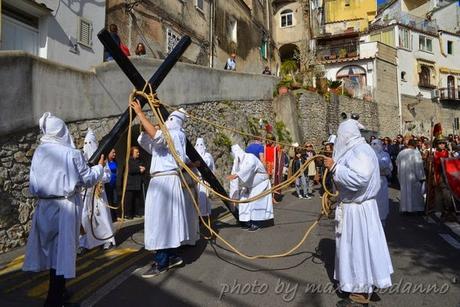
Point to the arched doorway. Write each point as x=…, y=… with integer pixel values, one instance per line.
x=289, y=59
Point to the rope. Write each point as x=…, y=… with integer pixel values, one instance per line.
x=326, y=207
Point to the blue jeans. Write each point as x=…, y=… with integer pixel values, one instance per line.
x=162, y=256
x=301, y=183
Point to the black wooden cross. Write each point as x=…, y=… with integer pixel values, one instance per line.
x=108, y=141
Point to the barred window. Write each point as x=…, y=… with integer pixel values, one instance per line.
x=172, y=38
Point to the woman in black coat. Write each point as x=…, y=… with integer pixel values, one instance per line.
x=134, y=205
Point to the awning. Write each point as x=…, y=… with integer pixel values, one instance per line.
x=34, y=8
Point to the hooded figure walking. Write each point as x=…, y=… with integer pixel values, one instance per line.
x=362, y=259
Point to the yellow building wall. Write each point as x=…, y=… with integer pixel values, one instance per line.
x=337, y=10
x=386, y=37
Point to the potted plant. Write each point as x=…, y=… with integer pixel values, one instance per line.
x=342, y=53
x=334, y=86
x=283, y=86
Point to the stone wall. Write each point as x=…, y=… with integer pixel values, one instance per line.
x=16, y=150
x=319, y=117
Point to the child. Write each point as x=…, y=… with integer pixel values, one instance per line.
x=301, y=181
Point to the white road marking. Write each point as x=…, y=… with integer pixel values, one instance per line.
x=449, y=239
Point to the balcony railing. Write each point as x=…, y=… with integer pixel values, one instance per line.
x=409, y=20
x=450, y=93
x=335, y=52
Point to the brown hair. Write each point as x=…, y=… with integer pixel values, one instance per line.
x=131, y=151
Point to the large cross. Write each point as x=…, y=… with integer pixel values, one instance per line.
x=109, y=141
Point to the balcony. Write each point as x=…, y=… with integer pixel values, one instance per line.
x=449, y=94
x=414, y=22
x=337, y=52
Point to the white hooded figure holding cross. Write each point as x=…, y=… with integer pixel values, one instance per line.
x=96, y=218
x=166, y=220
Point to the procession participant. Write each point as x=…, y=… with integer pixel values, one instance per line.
x=253, y=179
x=101, y=219
x=362, y=258
x=165, y=222
x=443, y=198
x=411, y=175
x=203, y=194
x=57, y=173
x=386, y=168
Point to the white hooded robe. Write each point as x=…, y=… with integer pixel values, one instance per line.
x=386, y=167
x=166, y=223
x=253, y=179
x=102, y=219
x=410, y=174
x=362, y=257
x=57, y=170
x=203, y=194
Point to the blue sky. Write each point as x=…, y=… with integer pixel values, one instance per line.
x=381, y=1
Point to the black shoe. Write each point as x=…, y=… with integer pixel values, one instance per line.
x=253, y=228
x=154, y=271
x=245, y=225
x=347, y=302
x=174, y=261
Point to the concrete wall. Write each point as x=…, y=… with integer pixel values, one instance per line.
x=37, y=85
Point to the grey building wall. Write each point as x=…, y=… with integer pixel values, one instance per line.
x=36, y=86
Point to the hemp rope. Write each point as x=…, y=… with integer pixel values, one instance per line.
x=325, y=203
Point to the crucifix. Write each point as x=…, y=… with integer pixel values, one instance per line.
x=138, y=81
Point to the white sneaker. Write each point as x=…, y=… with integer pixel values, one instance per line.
x=300, y=196
x=107, y=245
x=307, y=197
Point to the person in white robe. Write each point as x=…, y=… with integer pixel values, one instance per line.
x=165, y=221
x=411, y=176
x=362, y=259
x=253, y=180
x=98, y=220
x=57, y=173
x=386, y=167
x=203, y=193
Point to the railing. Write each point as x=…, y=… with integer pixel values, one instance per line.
x=334, y=52
x=450, y=93
x=409, y=20
x=426, y=84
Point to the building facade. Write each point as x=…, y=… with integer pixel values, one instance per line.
x=217, y=29
x=61, y=31
x=428, y=66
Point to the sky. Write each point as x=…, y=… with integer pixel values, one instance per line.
x=381, y=1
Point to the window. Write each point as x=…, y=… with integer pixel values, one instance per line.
x=405, y=39
x=287, y=17
x=264, y=49
x=172, y=38
x=233, y=30
x=85, y=32
x=347, y=2
x=17, y=35
x=403, y=76
x=450, y=47
x=424, y=76
x=199, y=4
x=425, y=43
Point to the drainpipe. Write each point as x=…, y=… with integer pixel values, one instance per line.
x=269, y=33
x=398, y=74
x=211, y=33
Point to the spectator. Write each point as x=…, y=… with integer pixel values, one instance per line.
x=267, y=71
x=113, y=30
x=300, y=182
x=134, y=197
x=111, y=186
x=231, y=63
x=140, y=50
x=311, y=170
